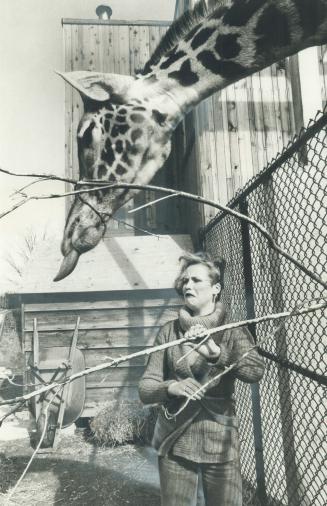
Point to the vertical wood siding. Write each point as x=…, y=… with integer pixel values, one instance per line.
x=240, y=129
x=122, y=49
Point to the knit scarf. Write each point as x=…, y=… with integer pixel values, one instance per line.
x=209, y=321
x=186, y=321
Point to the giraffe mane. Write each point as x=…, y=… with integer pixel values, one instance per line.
x=178, y=29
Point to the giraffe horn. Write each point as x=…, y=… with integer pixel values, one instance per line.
x=68, y=265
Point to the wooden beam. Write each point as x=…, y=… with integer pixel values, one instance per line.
x=73, y=21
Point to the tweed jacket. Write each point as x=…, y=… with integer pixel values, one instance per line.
x=206, y=431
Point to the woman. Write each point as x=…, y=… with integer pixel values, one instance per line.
x=203, y=437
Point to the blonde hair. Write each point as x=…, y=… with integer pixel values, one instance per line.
x=215, y=268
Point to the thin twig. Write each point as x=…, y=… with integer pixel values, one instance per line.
x=11, y=493
x=161, y=347
x=11, y=411
x=100, y=185
x=135, y=227
x=196, y=347
x=20, y=190
x=152, y=203
x=40, y=176
x=226, y=370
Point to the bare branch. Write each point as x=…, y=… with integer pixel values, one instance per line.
x=135, y=227
x=226, y=370
x=15, y=206
x=12, y=411
x=40, y=176
x=98, y=185
x=153, y=202
x=20, y=190
x=11, y=493
x=161, y=347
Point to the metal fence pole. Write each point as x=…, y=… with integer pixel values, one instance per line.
x=255, y=394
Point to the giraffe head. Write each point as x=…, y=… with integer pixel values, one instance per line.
x=123, y=136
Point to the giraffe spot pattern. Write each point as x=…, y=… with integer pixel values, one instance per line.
x=126, y=159
x=137, y=118
x=139, y=108
x=119, y=129
x=122, y=110
x=135, y=149
x=120, y=170
x=272, y=30
x=102, y=171
x=120, y=119
x=227, y=45
x=311, y=13
x=119, y=146
x=242, y=11
x=227, y=69
x=185, y=76
x=173, y=56
x=107, y=125
x=136, y=134
x=159, y=117
x=108, y=154
x=202, y=37
x=218, y=13
x=112, y=179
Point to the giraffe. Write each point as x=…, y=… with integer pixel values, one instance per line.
x=124, y=135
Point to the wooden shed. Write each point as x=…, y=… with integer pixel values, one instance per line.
x=122, y=294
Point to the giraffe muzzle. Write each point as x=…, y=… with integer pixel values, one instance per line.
x=68, y=265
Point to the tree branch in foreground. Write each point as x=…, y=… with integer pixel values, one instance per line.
x=100, y=185
x=161, y=347
x=226, y=370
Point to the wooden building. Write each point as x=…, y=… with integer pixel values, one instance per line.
x=122, y=289
x=122, y=293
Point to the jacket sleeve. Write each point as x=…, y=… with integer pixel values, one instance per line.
x=251, y=368
x=153, y=388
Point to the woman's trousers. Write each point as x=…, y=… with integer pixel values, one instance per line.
x=179, y=478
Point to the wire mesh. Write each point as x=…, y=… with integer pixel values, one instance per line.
x=290, y=199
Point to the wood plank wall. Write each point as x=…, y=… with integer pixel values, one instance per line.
x=108, y=328
x=240, y=129
x=118, y=47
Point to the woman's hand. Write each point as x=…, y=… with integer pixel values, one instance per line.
x=209, y=350
x=186, y=388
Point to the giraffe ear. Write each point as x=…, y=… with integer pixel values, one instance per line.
x=98, y=86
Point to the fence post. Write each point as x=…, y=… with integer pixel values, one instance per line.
x=255, y=394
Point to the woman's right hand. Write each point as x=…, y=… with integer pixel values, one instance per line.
x=186, y=388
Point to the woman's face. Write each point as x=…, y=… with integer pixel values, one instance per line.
x=198, y=291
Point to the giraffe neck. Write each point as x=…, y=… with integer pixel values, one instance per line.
x=236, y=39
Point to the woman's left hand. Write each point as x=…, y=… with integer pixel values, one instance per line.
x=209, y=350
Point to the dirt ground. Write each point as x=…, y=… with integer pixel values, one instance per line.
x=77, y=473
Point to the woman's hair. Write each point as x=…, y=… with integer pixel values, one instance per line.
x=215, y=268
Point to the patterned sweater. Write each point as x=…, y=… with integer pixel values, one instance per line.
x=207, y=429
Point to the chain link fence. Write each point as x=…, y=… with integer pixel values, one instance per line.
x=281, y=418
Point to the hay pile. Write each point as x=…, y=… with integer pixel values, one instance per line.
x=123, y=422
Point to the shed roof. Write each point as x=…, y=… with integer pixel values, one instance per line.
x=117, y=263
